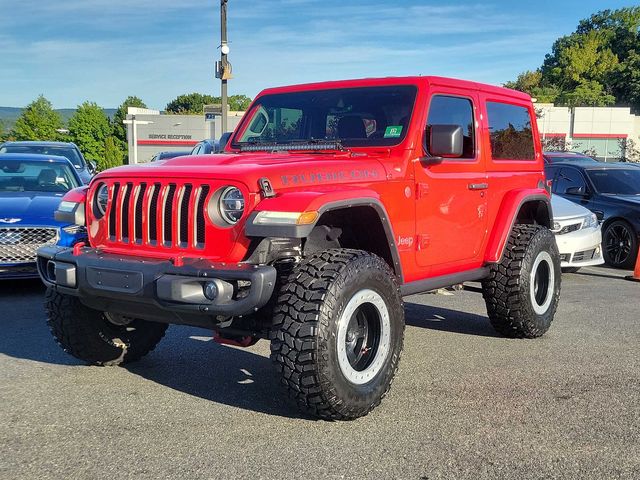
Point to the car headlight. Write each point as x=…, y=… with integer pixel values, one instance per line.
x=231, y=205
x=100, y=201
x=75, y=229
x=591, y=221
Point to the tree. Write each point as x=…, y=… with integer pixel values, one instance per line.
x=598, y=64
x=588, y=93
x=89, y=128
x=119, y=128
x=190, y=104
x=193, y=103
x=113, y=154
x=629, y=150
x=239, y=103
x=38, y=121
x=531, y=83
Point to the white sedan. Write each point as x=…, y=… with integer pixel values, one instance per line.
x=578, y=235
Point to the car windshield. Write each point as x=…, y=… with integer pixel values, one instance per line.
x=58, y=150
x=36, y=176
x=618, y=181
x=349, y=117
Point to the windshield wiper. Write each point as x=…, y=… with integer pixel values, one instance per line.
x=292, y=145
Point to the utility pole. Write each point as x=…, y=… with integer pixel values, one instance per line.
x=224, y=70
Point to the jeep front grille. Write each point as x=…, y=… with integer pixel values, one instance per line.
x=157, y=214
x=19, y=244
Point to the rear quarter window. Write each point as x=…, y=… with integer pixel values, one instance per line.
x=510, y=132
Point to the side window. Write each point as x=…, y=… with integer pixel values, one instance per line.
x=196, y=149
x=510, y=132
x=444, y=110
x=567, y=178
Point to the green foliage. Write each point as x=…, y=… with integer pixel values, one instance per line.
x=531, y=83
x=89, y=128
x=38, y=121
x=597, y=65
x=113, y=154
x=239, y=103
x=119, y=128
x=588, y=93
x=190, y=104
x=629, y=149
x=193, y=103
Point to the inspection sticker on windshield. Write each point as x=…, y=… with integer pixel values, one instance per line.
x=393, y=131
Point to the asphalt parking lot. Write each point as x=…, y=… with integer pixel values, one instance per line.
x=465, y=404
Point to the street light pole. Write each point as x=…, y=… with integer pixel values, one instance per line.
x=224, y=50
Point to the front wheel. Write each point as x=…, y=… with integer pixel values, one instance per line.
x=99, y=338
x=522, y=291
x=620, y=245
x=337, y=333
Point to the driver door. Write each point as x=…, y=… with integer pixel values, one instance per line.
x=451, y=197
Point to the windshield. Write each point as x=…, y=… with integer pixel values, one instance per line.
x=61, y=151
x=36, y=176
x=620, y=182
x=350, y=117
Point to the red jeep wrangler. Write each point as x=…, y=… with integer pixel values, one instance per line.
x=331, y=202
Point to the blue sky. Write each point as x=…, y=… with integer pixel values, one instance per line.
x=105, y=50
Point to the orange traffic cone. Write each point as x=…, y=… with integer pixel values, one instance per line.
x=636, y=273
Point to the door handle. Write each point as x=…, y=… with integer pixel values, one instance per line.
x=478, y=186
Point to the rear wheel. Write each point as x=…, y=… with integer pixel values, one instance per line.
x=99, y=338
x=620, y=245
x=522, y=291
x=338, y=332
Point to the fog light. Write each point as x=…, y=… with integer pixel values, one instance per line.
x=210, y=290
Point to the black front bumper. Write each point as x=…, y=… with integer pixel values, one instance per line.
x=157, y=290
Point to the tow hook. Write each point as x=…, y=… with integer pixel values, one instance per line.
x=244, y=342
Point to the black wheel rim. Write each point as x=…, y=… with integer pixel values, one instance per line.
x=541, y=283
x=618, y=244
x=363, y=336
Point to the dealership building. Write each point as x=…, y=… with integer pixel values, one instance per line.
x=600, y=130
x=150, y=131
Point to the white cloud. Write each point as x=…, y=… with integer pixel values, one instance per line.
x=104, y=50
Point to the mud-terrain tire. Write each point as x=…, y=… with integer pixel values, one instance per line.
x=522, y=291
x=337, y=334
x=620, y=245
x=89, y=336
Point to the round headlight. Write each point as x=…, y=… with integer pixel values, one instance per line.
x=100, y=200
x=231, y=205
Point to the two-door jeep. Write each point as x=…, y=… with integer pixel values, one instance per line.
x=331, y=202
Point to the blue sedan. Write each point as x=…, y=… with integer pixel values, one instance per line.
x=31, y=188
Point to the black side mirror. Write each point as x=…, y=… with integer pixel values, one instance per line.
x=224, y=139
x=446, y=140
x=582, y=191
x=93, y=168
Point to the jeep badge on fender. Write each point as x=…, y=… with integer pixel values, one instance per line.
x=331, y=202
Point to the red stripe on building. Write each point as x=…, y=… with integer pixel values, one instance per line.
x=184, y=143
x=554, y=135
x=600, y=135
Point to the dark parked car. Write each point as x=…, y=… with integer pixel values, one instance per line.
x=31, y=190
x=62, y=149
x=168, y=155
x=557, y=157
x=207, y=147
x=612, y=192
